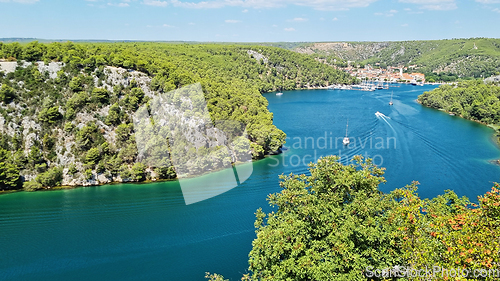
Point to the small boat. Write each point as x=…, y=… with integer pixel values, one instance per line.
x=391, y=103
x=346, y=140
x=279, y=94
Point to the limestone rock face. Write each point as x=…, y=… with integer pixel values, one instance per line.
x=178, y=110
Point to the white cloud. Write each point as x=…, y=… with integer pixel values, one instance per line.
x=232, y=21
x=435, y=5
x=387, y=14
x=407, y=9
x=156, y=3
x=298, y=19
x=488, y=1
x=245, y=11
x=404, y=25
x=335, y=19
x=330, y=5
x=496, y=10
x=288, y=29
x=161, y=26
x=21, y=1
x=122, y=5
x=192, y=23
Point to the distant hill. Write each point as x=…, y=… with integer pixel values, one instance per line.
x=474, y=57
x=283, y=45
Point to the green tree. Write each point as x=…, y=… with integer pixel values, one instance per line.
x=76, y=83
x=114, y=115
x=100, y=96
x=51, y=178
x=7, y=93
x=139, y=171
x=328, y=226
x=9, y=172
x=50, y=115
x=93, y=156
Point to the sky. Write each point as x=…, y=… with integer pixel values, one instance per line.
x=250, y=20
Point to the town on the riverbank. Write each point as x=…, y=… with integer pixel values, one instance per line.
x=376, y=78
x=390, y=74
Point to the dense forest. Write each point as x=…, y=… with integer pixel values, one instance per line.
x=335, y=224
x=473, y=100
x=66, y=108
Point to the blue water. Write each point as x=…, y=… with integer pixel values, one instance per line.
x=131, y=232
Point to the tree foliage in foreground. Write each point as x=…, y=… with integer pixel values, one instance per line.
x=330, y=225
x=335, y=223
x=448, y=231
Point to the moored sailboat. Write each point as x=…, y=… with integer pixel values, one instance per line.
x=346, y=140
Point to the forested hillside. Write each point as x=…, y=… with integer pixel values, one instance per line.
x=475, y=57
x=473, y=100
x=66, y=108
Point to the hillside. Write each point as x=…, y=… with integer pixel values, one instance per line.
x=475, y=57
x=473, y=100
x=66, y=108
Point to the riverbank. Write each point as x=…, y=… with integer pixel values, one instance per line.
x=495, y=136
x=69, y=187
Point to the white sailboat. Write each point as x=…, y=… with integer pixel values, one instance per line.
x=346, y=140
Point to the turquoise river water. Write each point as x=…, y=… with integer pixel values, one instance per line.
x=146, y=232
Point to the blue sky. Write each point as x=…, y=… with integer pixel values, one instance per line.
x=250, y=20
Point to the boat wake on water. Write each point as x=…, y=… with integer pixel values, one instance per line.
x=435, y=148
x=383, y=117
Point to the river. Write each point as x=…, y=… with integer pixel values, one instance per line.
x=146, y=232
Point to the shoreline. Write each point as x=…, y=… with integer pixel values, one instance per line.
x=69, y=187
